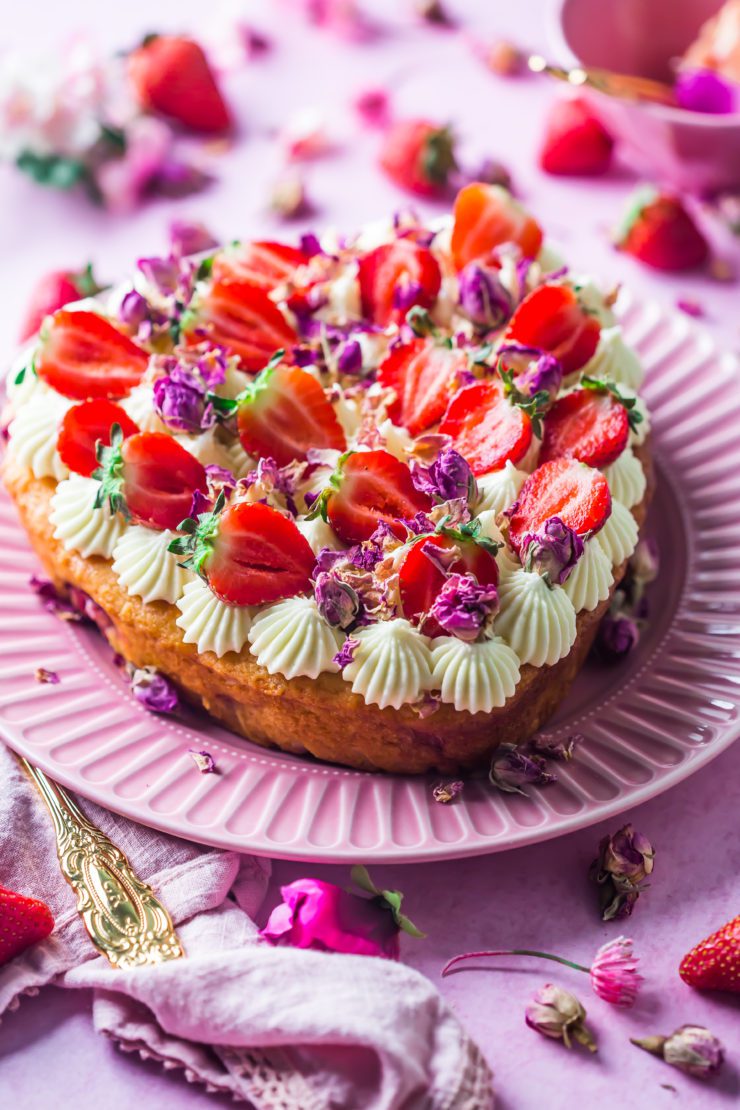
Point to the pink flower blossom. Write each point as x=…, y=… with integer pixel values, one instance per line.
x=373, y=107
x=614, y=974
x=122, y=181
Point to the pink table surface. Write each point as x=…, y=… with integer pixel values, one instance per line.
x=533, y=897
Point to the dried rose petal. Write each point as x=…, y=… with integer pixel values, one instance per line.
x=447, y=792
x=42, y=675
x=203, y=760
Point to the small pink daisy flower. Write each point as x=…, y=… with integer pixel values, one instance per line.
x=614, y=974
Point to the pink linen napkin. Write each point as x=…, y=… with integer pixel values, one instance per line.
x=276, y=1027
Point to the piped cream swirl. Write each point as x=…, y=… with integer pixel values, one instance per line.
x=291, y=638
x=615, y=360
x=78, y=523
x=626, y=478
x=210, y=623
x=33, y=435
x=499, y=489
x=392, y=664
x=590, y=580
x=476, y=677
x=146, y=568
x=537, y=621
x=618, y=538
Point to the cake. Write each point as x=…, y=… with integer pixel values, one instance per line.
x=365, y=499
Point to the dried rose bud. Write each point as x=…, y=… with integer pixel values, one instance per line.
x=465, y=608
x=543, y=374
x=434, y=12
x=644, y=561
x=204, y=761
x=692, y=1048
x=153, y=690
x=337, y=602
x=503, y=58
x=617, y=636
x=553, y=747
x=449, y=478
x=447, y=792
x=289, y=198
x=191, y=237
x=483, y=297
x=50, y=678
x=553, y=552
x=558, y=1014
x=511, y=768
x=624, y=862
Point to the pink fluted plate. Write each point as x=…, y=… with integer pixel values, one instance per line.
x=648, y=722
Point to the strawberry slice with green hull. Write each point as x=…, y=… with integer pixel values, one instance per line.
x=149, y=477
x=420, y=578
x=553, y=319
x=85, y=426
x=171, y=75
x=419, y=156
x=370, y=487
x=661, y=232
x=396, y=276
x=422, y=374
x=589, y=425
x=714, y=963
x=487, y=429
x=249, y=554
x=564, y=488
x=264, y=263
x=82, y=356
x=23, y=921
x=486, y=217
x=284, y=413
x=241, y=317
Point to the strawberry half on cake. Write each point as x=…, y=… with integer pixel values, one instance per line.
x=365, y=499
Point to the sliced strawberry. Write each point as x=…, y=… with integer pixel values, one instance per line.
x=714, y=963
x=150, y=477
x=419, y=156
x=284, y=413
x=486, y=428
x=423, y=374
x=485, y=217
x=54, y=291
x=589, y=425
x=575, y=141
x=23, y=921
x=420, y=579
x=241, y=317
x=83, y=356
x=553, y=319
x=84, y=426
x=370, y=487
x=258, y=555
x=265, y=263
x=171, y=75
x=394, y=277
x=660, y=231
x=564, y=488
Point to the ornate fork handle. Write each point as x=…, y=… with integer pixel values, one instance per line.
x=125, y=920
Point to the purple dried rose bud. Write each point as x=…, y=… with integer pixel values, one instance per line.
x=53, y=601
x=449, y=478
x=447, y=792
x=511, y=769
x=163, y=274
x=617, y=636
x=554, y=747
x=558, y=1014
x=644, y=561
x=465, y=608
x=204, y=761
x=406, y=295
x=338, y=603
x=349, y=357
x=50, y=678
x=483, y=297
x=191, y=237
x=310, y=244
x=624, y=862
x=219, y=479
x=346, y=653
x=153, y=690
x=703, y=90
x=552, y=552
x=181, y=402
x=137, y=314
x=542, y=375
x=692, y=1048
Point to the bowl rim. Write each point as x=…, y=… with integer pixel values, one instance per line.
x=563, y=51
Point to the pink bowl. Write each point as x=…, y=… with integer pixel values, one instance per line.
x=688, y=150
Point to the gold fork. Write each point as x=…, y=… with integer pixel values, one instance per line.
x=126, y=921
x=623, y=85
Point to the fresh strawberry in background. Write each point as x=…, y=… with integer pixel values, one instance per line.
x=148, y=476
x=54, y=291
x=249, y=554
x=487, y=429
x=284, y=413
x=23, y=921
x=419, y=156
x=82, y=355
x=486, y=217
x=660, y=231
x=551, y=318
x=86, y=425
x=395, y=277
x=171, y=76
x=421, y=578
x=576, y=493
x=714, y=963
x=264, y=263
x=575, y=140
x=239, y=316
x=422, y=375
x=367, y=488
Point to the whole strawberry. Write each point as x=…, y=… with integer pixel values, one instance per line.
x=714, y=964
x=171, y=76
x=661, y=233
x=419, y=156
x=54, y=290
x=23, y=922
x=575, y=140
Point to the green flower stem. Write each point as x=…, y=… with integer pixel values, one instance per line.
x=511, y=952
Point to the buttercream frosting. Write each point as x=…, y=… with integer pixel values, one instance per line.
x=536, y=620
x=474, y=677
x=291, y=638
x=626, y=478
x=499, y=489
x=210, y=623
x=615, y=360
x=618, y=538
x=146, y=568
x=78, y=523
x=590, y=580
x=392, y=664
x=33, y=435
x=139, y=405
x=319, y=534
